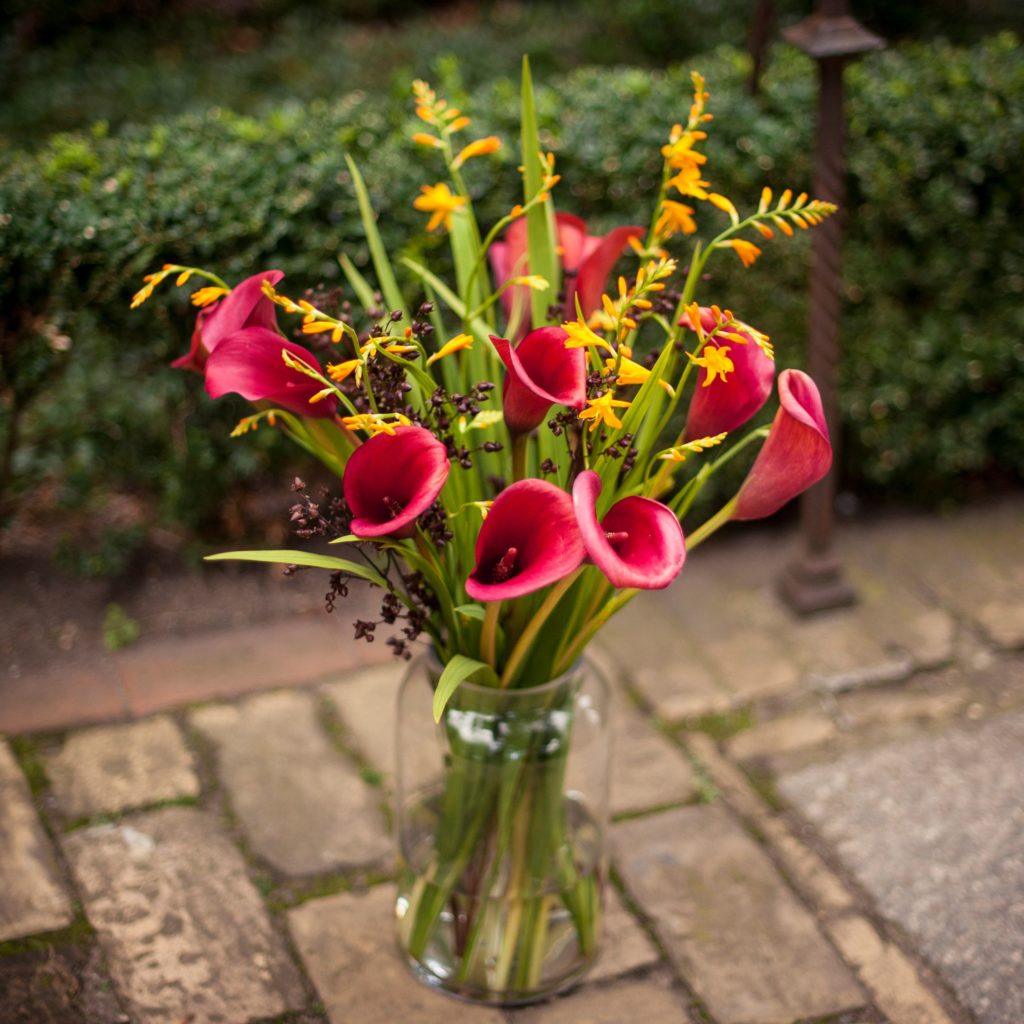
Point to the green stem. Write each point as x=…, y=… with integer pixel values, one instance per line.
x=520, y=447
x=528, y=635
x=488, y=635
x=718, y=520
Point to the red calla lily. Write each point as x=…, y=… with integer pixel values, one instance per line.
x=541, y=372
x=244, y=306
x=393, y=478
x=796, y=453
x=249, y=363
x=639, y=543
x=528, y=540
x=587, y=260
x=728, y=403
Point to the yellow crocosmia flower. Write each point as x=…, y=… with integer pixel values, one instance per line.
x=182, y=277
x=680, y=154
x=439, y=201
x=581, y=336
x=747, y=251
x=602, y=410
x=204, y=296
x=423, y=139
x=460, y=341
x=688, y=182
x=631, y=372
x=321, y=395
x=481, y=147
x=457, y=124
x=714, y=359
x=425, y=114
x=396, y=348
x=724, y=204
x=339, y=371
x=675, y=218
x=141, y=295
x=763, y=230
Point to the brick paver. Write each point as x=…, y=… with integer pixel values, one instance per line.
x=31, y=896
x=302, y=804
x=118, y=767
x=728, y=922
x=348, y=945
x=184, y=929
x=651, y=1001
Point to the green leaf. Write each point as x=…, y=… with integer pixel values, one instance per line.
x=359, y=283
x=303, y=558
x=540, y=238
x=349, y=538
x=381, y=263
x=455, y=673
x=471, y=611
x=451, y=300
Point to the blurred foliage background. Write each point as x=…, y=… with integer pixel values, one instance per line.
x=138, y=132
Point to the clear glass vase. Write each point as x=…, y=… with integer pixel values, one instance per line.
x=502, y=814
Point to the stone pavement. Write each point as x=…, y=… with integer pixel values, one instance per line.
x=815, y=820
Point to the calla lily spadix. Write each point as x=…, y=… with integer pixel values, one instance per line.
x=541, y=372
x=638, y=544
x=796, y=454
x=249, y=363
x=726, y=404
x=393, y=478
x=244, y=306
x=528, y=540
x=587, y=260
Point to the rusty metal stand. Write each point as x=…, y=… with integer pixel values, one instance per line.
x=816, y=581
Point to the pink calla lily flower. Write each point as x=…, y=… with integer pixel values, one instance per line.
x=541, y=372
x=728, y=403
x=249, y=363
x=244, y=306
x=639, y=543
x=796, y=453
x=528, y=540
x=393, y=478
x=587, y=260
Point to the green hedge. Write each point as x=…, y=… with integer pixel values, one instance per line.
x=934, y=256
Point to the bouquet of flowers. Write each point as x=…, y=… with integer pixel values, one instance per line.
x=517, y=449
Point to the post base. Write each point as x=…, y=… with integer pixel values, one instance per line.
x=815, y=583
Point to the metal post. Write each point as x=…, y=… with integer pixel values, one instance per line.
x=815, y=581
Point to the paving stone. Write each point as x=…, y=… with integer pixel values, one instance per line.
x=624, y=946
x=64, y=984
x=782, y=736
x=812, y=877
x=347, y=943
x=166, y=673
x=893, y=705
x=1003, y=622
x=118, y=767
x=932, y=830
x=650, y=1000
x=647, y=769
x=59, y=696
x=302, y=804
x=367, y=702
x=730, y=925
x=890, y=976
x=31, y=896
x=671, y=674
x=185, y=933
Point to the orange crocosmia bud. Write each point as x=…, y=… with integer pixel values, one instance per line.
x=423, y=139
x=480, y=147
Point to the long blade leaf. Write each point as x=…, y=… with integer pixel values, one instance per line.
x=304, y=558
x=381, y=264
x=455, y=673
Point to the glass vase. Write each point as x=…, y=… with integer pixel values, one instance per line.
x=502, y=814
